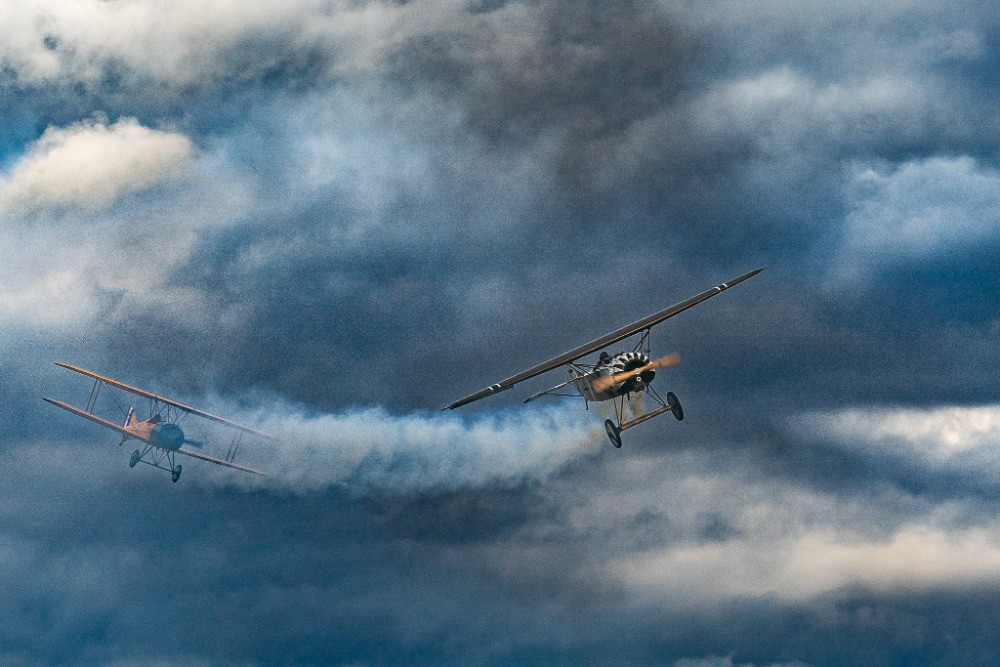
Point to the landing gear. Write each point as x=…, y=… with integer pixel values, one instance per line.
x=614, y=433
x=157, y=457
x=627, y=417
x=675, y=406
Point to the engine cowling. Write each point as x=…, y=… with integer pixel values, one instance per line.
x=167, y=436
x=627, y=361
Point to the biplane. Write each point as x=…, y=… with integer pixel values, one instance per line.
x=625, y=377
x=160, y=434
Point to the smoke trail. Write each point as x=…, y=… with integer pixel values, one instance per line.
x=638, y=404
x=369, y=450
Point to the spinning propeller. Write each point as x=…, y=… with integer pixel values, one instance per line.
x=604, y=383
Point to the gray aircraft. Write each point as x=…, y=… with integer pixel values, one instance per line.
x=621, y=377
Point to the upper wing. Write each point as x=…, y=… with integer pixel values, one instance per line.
x=602, y=342
x=94, y=418
x=148, y=394
x=221, y=462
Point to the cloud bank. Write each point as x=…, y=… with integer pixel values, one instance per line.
x=86, y=167
x=938, y=430
x=919, y=209
x=431, y=195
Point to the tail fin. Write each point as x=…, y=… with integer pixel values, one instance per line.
x=130, y=417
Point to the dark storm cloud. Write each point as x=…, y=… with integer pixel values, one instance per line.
x=857, y=627
x=770, y=150
x=582, y=70
x=444, y=578
x=398, y=219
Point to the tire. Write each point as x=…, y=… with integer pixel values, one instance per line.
x=175, y=474
x=134, y=459
x=675, y=406
x=614, y=433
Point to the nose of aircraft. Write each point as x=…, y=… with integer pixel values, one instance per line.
x=168, y=436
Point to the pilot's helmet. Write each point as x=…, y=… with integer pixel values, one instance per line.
x=605, y=358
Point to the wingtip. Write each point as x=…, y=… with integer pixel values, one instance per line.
x=71, y=367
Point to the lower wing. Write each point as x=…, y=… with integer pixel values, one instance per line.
x=221, y=462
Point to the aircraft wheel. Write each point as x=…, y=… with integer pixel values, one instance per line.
x=175, y=474
x=134, y=459
x=675, y=406
x=614, y=433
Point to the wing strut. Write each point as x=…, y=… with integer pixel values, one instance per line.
x=94, y=418
x=161, y=399
x=549, y=391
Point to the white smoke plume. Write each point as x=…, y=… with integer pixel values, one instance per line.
x=371, y=450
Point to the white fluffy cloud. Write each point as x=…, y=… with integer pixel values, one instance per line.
x=938, y=433
x=185, y=43
x=798, y=568
x=919, y=209
x=43, y=41
x=785, y=110
x=699, y=529
x=796, y=544
x=89, y=165
x=110, y=262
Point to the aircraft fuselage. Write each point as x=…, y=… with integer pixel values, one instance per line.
x=160, y=434
x=611, y=379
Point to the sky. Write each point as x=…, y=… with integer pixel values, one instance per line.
x=328, y=219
